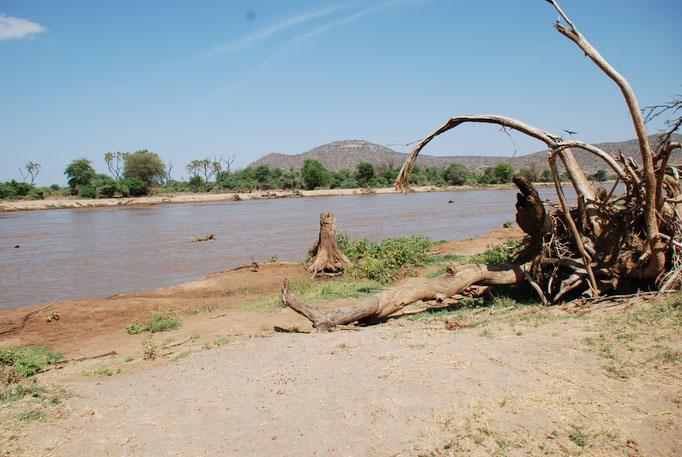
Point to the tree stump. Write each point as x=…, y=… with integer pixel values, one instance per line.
x=327, y=257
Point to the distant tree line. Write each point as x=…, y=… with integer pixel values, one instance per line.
x=141, y=172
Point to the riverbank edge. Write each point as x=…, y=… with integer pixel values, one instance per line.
x=181, y=197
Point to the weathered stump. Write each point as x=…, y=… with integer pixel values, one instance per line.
x=327, y=257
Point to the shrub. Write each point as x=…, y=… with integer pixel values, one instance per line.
x=500, y=253
x=39, y=194
x=134, y=186
x=161, y=321
x=87, y=191
x=7, y=192
x=29, y=360
x=378, y=182
x=55, y=187
x=106, y=187
x=381, y=260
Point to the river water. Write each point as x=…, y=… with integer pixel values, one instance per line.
x=74, y=254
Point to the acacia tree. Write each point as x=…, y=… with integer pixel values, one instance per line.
x=607, y=244
x=145, y=166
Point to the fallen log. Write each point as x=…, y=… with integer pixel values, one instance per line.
x=384, y=304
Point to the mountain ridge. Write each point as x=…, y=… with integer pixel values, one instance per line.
x=348, y=153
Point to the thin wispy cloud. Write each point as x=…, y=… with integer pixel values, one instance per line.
x=255, y=38
x=15, y=28
x=341, y=22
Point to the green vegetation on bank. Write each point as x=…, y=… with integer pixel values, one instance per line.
x=382, y=260
x=143, y=172
x=25, y=362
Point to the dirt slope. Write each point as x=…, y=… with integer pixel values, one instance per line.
x=513, y=386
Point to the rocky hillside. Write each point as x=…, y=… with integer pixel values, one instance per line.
x=348, y=153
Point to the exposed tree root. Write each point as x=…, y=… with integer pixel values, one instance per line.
x=608, y=245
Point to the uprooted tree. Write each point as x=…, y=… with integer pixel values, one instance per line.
x=608, y=244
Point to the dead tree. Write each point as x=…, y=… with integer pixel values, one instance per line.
x=327, y=257
x=607, y=244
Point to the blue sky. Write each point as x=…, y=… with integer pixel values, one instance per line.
x=189, y=80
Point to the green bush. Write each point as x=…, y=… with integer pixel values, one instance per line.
x=29, y=360
x=161, y=321
x=106, y=187
x=7, y=192
x=134, y=186
x=87, y=191
x=381, y=260
x=13, y=189
x=39, y=194
x=500, y=253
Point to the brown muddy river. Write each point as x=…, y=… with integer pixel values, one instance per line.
x=97, y=252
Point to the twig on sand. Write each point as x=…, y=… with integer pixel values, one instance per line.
x=172, y=345
x=26, y=318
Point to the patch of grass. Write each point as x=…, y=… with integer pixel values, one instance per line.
x=436, y=273
x=221, y=341
x=29, y=360
x=30, y=415
x=207, y=345
x=613, y=371
x=301, y=286
x=381, y=260
x=99, y=372
x=161, y=321
x=668, y=308
x=130, y=358
x=264, y=303
x=500, y=253
x=16, y=392
x=579, y=437
x=265, y=328
x=669, y=356
x=238, y=291
x=446, y=258
x=343, y=288
x=182, y=355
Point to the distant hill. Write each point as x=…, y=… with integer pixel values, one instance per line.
x=348, y=153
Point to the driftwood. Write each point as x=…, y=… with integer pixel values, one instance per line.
x=608, y=244
x=210, y=237
x=383, y=304
x=327, y=257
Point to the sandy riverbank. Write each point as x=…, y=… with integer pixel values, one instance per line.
x=172, y=198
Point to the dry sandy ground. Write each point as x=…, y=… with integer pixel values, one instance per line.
x=517, y=384
x=529, y=381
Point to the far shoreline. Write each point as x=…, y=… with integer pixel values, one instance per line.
x=183, y=197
